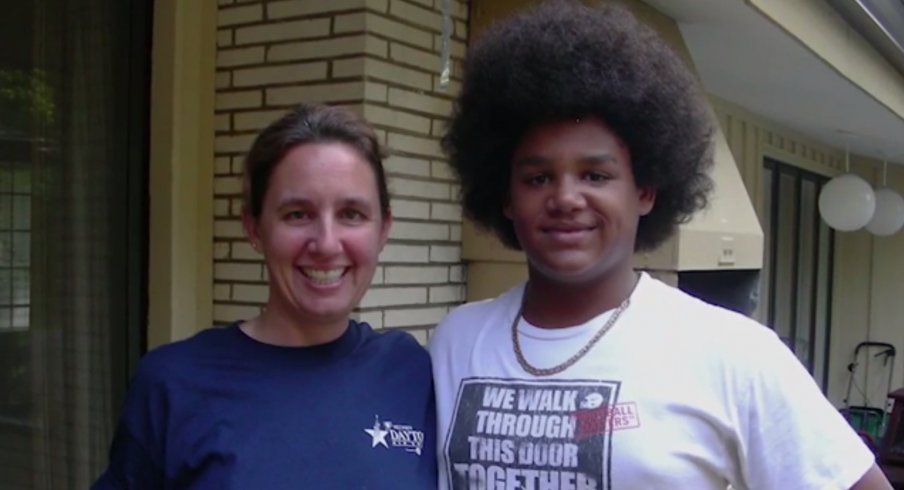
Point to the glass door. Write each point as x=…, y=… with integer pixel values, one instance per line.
x=74, y=98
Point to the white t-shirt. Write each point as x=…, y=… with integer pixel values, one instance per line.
x=678, y=394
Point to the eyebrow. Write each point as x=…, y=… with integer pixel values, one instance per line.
x=292, y=201
x=358, y=202
x=600, y=159
x=538, y=160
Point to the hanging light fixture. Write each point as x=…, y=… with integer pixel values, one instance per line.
x=889, y=215
x=847, y=202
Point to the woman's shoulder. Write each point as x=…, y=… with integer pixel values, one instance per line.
x=183, y=355
x=393, y=341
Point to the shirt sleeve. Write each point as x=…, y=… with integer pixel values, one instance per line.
x=791, y=437
x=136, y=452
x=131, y=466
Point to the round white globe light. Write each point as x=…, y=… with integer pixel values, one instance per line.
x=889, y=215
x=847, y=203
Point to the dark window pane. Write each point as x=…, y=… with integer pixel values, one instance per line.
x=763, y=306
x=784, y=270
x=805, y=272
x=797, y=265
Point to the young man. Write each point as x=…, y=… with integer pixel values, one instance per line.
x=580, y=138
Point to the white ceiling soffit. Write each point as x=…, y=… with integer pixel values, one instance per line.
x=743, y=57
x=881, y=22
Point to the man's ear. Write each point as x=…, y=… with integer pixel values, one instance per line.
x=252, y=232
x=646, y=199
x=507, y=209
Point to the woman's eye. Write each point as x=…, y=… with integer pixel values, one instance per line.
x=295, y=215
x=352, y=215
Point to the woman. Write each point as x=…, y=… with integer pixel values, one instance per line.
x=299, y=396
x=580, y=138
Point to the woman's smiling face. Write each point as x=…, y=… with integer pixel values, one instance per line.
x=321, y=230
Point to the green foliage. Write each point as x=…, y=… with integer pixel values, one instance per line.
x=26, y=99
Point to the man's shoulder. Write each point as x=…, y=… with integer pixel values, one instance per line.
x=466, y=321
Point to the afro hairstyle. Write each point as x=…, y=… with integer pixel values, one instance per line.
x=562, y=60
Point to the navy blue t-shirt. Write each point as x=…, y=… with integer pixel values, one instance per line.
x=221, y=410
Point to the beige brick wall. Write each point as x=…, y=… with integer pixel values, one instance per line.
x=381, y=57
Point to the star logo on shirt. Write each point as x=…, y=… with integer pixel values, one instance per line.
x=395, y=436
x=377, y=434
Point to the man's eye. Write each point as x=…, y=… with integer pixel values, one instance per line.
x=296, y=215
x=538, y=179
x=596, y=176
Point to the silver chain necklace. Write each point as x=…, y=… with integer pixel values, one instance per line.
x=571, y=360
